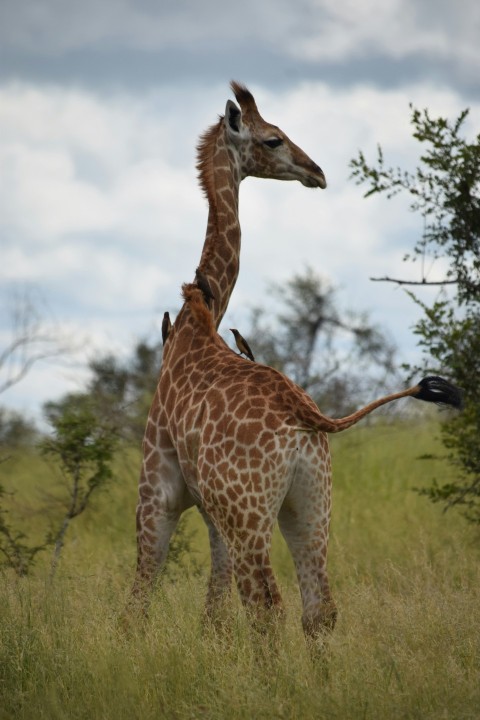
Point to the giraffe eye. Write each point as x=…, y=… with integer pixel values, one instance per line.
x=273, y=143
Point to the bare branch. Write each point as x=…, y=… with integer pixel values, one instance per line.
x=414, y=282
x=31, y=340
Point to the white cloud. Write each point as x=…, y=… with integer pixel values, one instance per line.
x=99, y=204
x=333, y=30
x=337, y=31
x=351, y=28
x=76, y=167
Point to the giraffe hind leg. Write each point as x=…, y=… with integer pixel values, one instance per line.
x=261, y=599
x=254, y=576
x=246, y=530
x=220, y=582
x=304, y=520
x=305, y=529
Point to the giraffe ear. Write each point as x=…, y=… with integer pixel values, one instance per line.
x=233, y=119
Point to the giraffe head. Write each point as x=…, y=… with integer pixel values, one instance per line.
x=263, y=149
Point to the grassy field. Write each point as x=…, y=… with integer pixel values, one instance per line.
x=405, y=577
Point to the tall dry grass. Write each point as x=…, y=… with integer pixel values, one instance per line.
x=405, y=578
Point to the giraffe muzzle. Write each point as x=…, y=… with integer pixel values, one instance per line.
x=315, y=177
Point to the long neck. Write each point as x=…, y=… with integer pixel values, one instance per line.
x=220, y=178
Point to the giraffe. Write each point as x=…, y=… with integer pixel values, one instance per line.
x=253, y=448
x=239, y=145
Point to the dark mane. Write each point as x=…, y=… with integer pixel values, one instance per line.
x=206, y=143
x=205, y=150
x=193, y=297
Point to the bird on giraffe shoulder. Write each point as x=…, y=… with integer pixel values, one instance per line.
x=204, y=285
x=242, y=345
x=166, y=326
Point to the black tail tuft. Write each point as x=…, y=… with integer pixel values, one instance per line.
x=437, y=390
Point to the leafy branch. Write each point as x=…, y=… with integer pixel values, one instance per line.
x=445, y=190
x=83, y=445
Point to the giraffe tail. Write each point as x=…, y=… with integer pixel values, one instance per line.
x=432, y=389
x=437, y=390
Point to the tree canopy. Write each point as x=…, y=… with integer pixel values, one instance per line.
x=445, y=190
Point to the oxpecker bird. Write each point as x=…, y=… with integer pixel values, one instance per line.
x=242, y=345
x=166, y=326
x=204, y=286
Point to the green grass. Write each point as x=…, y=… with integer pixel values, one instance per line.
x=404, y=574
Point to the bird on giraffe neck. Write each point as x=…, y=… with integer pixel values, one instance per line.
x=242, y=344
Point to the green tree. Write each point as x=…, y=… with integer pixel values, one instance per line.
x=124, y=389
x=445, y=191
x=336, y=355
x=15, y=550
x=83, y=446
x=15, y=430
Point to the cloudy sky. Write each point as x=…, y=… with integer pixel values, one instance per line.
x=101, y=105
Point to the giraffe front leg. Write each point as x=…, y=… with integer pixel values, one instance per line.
x=162, y=498
x=154, y=531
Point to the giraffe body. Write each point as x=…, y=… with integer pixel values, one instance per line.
x=240, y=144
x=242, y=435
x=253, y=448
x=237, y=439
